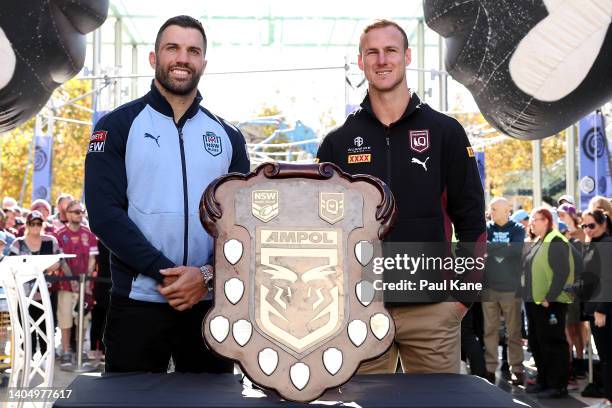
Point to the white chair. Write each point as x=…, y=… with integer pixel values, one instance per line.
x=25, y=286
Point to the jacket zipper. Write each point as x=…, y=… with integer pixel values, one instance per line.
x=185, y=197
x=387, y=134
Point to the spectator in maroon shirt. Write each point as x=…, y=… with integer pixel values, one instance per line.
x=74, y=238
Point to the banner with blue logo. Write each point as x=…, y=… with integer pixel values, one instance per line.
x=42, y=175
x=594, y=159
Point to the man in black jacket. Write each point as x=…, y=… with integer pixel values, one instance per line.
x=502, y=282
x=426, y=159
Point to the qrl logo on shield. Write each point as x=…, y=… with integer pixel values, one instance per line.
x=419, y=140
x=331, y=207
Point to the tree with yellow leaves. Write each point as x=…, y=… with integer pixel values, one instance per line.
x=508, y=162
x=70, y=141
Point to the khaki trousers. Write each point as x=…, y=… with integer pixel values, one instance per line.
x=496, y=304
x=427, y=340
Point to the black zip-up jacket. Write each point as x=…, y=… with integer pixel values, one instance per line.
x=597, y=276
x=426, y=159
x=503, y=267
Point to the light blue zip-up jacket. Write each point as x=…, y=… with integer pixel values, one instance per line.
x=144, y=178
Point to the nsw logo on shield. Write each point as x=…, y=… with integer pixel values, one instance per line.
x=212, y=143
x=419, y=140
x=264, y=204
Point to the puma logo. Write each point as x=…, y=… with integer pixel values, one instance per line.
x=417, y=161
x=153, y=137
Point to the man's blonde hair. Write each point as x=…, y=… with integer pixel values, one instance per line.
x=382, y=23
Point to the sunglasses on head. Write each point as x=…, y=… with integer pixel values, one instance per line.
x=589, y=226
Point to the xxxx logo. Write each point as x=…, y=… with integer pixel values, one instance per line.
x=359, y=158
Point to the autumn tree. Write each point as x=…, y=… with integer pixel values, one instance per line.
x=70, y=142
x=508, y=161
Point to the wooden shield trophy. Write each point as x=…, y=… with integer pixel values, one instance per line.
x=294, y=300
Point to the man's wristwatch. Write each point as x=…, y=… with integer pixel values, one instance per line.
x=207, y=274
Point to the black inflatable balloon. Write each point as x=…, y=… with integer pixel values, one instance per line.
x=42, y=45
x=534, y=67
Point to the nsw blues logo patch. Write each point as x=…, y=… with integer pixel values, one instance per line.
x=212, y=143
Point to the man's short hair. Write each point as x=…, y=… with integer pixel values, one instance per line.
x=181, y=21
x=382, y=24
x=62, y=197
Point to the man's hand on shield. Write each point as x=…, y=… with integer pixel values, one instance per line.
x=183, y=286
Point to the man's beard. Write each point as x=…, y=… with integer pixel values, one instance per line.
x=176, y=87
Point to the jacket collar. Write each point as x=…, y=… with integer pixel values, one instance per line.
x=603, y=237
x=413, y=104
x=160, y=104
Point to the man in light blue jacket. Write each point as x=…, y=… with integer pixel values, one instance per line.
x=147, y=165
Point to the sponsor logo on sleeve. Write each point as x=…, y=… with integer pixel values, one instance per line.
x=470, y=152
x=97, y=141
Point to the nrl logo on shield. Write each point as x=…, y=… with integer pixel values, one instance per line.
x=300, y=299
x=264, y=204
x=294, y=300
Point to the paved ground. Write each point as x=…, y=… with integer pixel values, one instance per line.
x=573, y=401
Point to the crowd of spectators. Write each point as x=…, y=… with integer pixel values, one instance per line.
x=38, y=230
x=548, y=280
